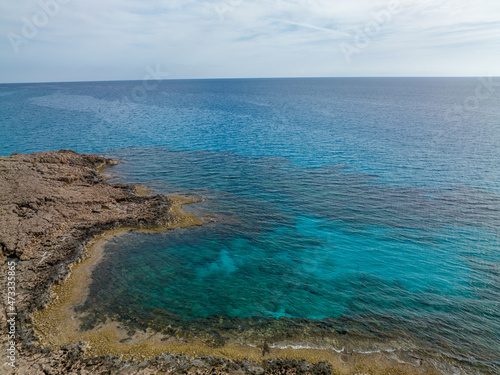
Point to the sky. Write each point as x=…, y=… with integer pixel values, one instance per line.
x=96, y=40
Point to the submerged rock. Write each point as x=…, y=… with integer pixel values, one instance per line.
x=51, y=205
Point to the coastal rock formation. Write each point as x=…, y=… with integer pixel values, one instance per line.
x=70, y=359
x=51, y=205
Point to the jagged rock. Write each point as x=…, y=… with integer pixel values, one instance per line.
x=51, y=205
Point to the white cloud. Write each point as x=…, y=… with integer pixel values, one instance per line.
x=117, y=39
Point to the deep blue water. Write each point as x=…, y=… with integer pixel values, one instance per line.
x=364, y=199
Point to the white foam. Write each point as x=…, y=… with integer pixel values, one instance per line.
x=305, y=347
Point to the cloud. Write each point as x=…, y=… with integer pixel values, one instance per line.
x=117, y=39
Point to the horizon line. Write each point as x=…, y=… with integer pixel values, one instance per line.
x=236, y=78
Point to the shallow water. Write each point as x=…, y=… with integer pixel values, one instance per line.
x=354, y=202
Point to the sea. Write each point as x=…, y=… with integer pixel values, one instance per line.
x=368, y=208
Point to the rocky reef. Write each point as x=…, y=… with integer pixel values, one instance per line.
x=71, y=359
x=53, y=205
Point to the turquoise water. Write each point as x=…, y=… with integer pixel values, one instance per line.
x=359, y=203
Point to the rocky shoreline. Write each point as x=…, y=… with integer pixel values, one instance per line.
x=52, y=205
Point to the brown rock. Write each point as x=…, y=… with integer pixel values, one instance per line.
x=51, y=205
